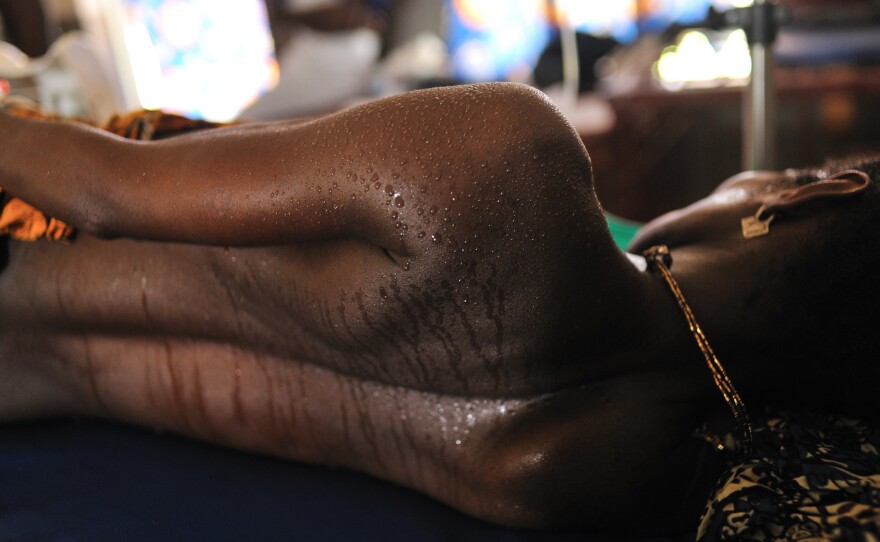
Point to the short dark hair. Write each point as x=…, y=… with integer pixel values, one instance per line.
x=868, y=163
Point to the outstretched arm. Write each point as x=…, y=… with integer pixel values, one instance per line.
x=348, y=174
x=245, y=185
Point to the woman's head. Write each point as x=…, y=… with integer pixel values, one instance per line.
x=805, y=296
x=795, y=197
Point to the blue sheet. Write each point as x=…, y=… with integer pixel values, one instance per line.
x=94, y=481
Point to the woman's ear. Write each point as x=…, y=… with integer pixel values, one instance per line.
x=840, y=185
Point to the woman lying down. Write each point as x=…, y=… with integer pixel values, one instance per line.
x=423, y=288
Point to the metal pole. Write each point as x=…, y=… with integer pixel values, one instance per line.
x=570, y=61
x=760, y=111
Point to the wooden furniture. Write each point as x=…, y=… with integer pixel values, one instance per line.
x=668, y=148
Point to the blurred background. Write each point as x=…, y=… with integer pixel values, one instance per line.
x=657, y=89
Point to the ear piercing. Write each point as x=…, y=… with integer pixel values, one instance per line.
x=755, y=226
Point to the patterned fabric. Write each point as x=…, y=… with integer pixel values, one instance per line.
x=149, y=125
x=21, y=221
x=814, y=478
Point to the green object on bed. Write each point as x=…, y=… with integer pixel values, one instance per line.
x=622, y=230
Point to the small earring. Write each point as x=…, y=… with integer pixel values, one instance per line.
x=755, y=226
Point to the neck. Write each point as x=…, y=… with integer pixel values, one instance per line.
x=728, y=301
x=635, y=326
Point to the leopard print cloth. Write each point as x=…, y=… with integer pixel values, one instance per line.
x=814, y=478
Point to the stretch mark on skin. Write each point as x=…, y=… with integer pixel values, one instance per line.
x=290, y=414
x=392, y=333
x=270, y=395
x=149, y=376
x=291, y=302
x=339, y=334
x=175, y=387
x=59, y=298
x=92, y=377
x=419, y=365
x=441, y=444
x=343, y=418
x=439, y=332
x=218, y=278
x=365, y=351
x=378, y=367
x=325, y=323
x=148, y=318
x=491, y=292
x=368, y=431
x=471, y=333
x=395, y=437
x=415, y=474
x=204, y=413
x=237, y=407
x=199, y=400
x=306, y=411
x=300, y=331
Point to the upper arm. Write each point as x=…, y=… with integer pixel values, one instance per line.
x=396, y=172
x=247, y=185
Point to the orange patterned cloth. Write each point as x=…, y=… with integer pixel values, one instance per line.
x=18, y=219
x=21, y=221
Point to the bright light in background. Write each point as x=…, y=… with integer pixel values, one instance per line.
x=724, y=5
x=146, y=68
x=501, y=40
x=696, y=61
x=477, y=14
x=601, y=17
x=734, y=57
x=625, y=20
x=495, y=40
x=206, y=59
x=705, y=58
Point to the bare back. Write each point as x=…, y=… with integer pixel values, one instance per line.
x=398, y=289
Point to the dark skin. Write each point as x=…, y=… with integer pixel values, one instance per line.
x=421, y=288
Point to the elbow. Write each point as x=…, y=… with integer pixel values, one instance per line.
x=96, y=223
x=511, y=493
x=108, y=212
x=533, y=484
x=535, y=145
